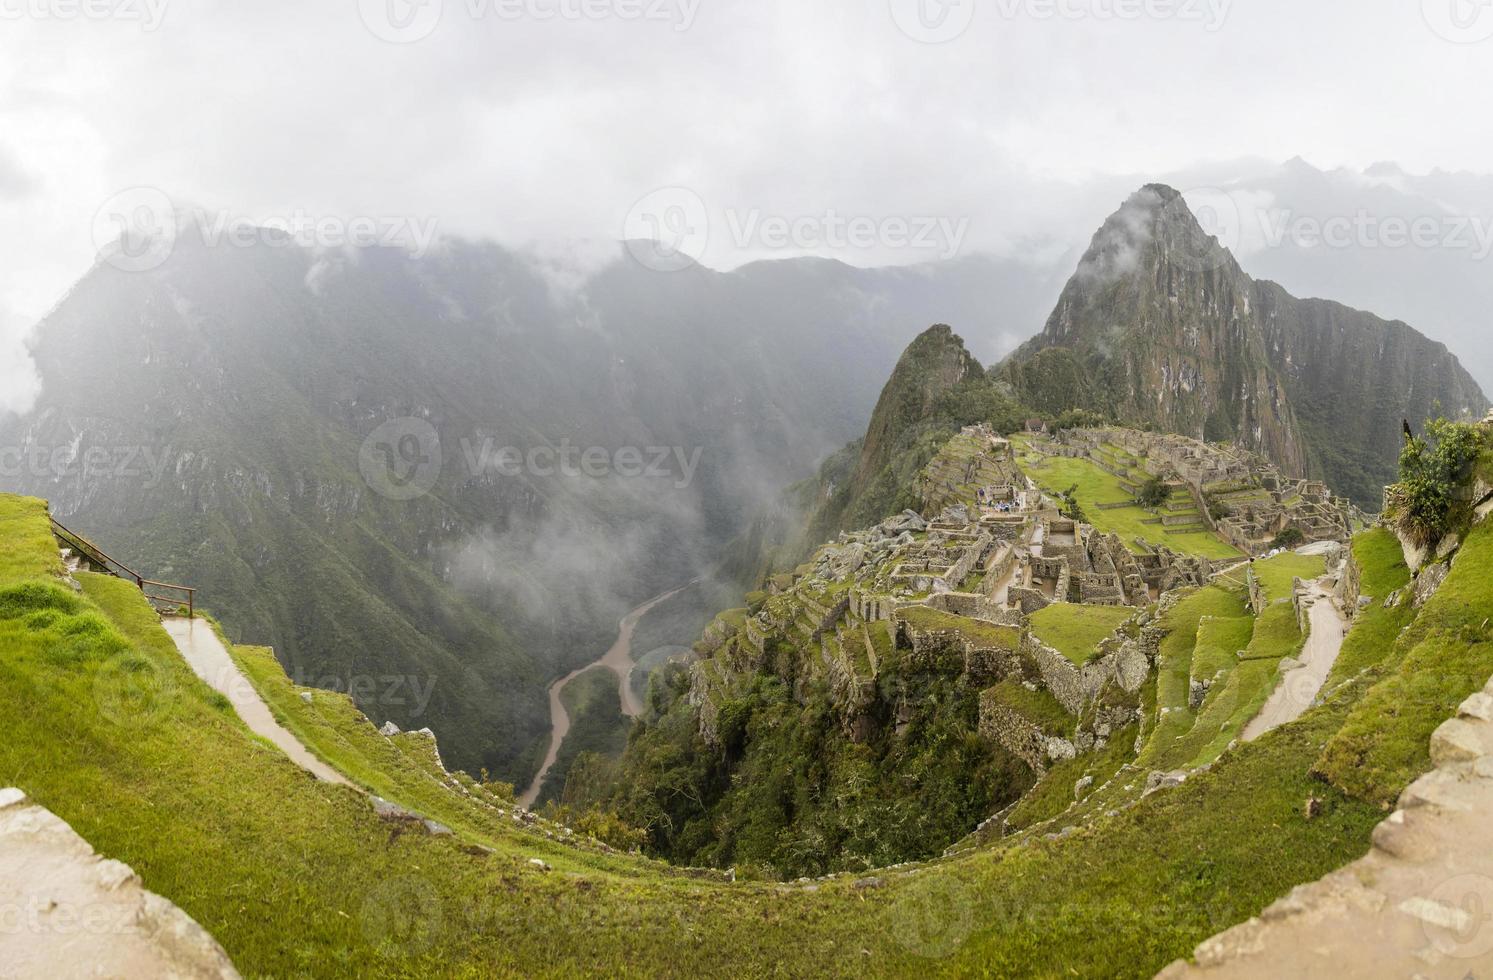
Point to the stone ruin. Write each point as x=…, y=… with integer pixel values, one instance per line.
x=1238, y=494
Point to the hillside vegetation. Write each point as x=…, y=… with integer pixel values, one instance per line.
x=1094, y=876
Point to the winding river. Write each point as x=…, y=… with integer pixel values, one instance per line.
x=618, y=659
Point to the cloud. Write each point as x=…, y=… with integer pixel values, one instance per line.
x=14, y=182
x=20, y=382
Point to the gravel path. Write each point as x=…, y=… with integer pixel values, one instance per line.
x=1299, y=687
x=201, y=648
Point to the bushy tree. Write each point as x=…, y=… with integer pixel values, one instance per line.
x=1078, y=418
x=1071, y=508
x=1153, y=493
x=1291, y=537
x=1423, y=505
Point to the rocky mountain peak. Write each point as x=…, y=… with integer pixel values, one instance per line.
x=1159, y=325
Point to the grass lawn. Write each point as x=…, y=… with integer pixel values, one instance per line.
x=1095, y=486
x=1039, y=706
x=1375, y=629
x=1276, y=574
x=1055, y=792
x=1175, y=662
x=29, y=549
x=987, y=634
x=1219, y=641
x=1074, y=630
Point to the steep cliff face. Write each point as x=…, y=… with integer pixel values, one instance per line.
x=936, y=387
x=933, y=365
x=1160, y=326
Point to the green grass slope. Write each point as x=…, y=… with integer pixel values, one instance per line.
x=108, y=727
x=1436, y=661
x=1096, y=486
x=1076, y=631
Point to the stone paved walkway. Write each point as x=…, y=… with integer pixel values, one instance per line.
x=1419, y=905
x=67, y=912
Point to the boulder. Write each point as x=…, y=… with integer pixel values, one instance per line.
x=1159, y=780
x=389, y=729
x=1428, y=581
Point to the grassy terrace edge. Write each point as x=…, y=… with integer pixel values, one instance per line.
x=294, y=877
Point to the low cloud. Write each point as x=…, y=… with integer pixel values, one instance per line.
x=20, y=381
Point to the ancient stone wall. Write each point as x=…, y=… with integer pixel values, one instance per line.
x=1013, y=732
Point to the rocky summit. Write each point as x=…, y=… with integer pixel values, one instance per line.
x=1160, y=326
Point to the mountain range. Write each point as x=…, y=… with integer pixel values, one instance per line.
x=323, y=441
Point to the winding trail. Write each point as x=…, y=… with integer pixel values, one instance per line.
x=1299, y=687
x=209, y=659
x=617, y=659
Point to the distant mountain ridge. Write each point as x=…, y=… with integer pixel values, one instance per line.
x=208, y=419
x=1160, y=326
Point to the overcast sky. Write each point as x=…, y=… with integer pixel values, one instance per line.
x=544, y=120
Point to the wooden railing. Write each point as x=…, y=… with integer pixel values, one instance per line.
x=162, y=593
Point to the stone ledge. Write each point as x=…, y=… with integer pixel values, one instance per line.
x=1403, y=909
x=81, y=914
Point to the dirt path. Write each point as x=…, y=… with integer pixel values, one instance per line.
x=209, y=659
x=617, y=659
x=1298, y=688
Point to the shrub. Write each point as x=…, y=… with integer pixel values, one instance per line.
x=1291, y=537
x=1423, y=505
x=1153, y=493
